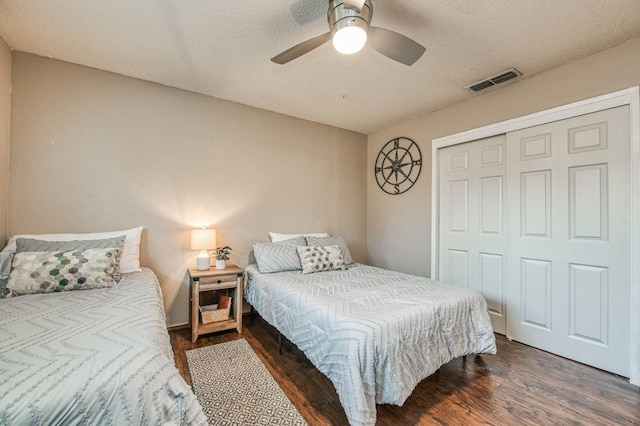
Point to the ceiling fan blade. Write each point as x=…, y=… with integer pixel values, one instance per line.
x=354, y=4
x=301, y=48
x=395, y=46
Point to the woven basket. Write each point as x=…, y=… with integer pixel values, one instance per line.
x=219, y=312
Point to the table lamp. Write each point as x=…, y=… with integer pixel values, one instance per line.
x=203, y=240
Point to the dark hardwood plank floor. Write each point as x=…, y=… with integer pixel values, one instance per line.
x=520, y=385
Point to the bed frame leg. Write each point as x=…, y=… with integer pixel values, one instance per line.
x=464, y=358
x=280, y=343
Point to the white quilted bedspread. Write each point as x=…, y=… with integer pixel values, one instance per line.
x=374, y=333
x=92, y=357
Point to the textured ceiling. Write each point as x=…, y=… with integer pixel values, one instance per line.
x=223, y=48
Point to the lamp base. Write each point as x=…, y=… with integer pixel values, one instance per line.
x=203, y=263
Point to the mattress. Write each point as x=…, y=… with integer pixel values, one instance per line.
x=96, y=357
x=374, y=333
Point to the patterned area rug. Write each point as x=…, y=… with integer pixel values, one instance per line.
x=235, y=388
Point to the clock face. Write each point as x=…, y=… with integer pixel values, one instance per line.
x=398, y=165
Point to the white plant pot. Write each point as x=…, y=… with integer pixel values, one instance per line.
x=221, y=264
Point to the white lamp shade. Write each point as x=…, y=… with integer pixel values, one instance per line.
x=203, y=239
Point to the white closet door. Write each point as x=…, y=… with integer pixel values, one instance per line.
x=569, y=242
x=471, y=212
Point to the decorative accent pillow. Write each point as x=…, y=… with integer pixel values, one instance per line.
x=320, y=258
x=330, y=241
x=30, y=244
x=278, y=257
x=274, y=237
x=49, y=271
x=129, y=258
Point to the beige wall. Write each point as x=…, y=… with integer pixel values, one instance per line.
x=5, y=120
x=399, y=227
x=93, y=151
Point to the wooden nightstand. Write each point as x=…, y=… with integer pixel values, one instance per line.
x=212, y=280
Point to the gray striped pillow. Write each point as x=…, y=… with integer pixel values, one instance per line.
x=332, y=241
x=278, y=257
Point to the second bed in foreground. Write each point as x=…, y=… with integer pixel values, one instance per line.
x=374, y=333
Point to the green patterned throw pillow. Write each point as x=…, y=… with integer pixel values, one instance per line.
x=49, y=271
x=320, y=258
x=32, y=244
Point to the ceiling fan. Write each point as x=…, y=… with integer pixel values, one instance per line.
x=350, y=30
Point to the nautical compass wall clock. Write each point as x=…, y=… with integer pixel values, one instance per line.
x=398, y=165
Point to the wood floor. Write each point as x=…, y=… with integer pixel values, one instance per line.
x=520, y=385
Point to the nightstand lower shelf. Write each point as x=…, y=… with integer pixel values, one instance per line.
x=212, y=327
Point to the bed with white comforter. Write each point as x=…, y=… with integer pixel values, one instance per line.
x=96, y=357
x=374, y=333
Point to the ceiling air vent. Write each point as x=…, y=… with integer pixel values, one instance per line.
x=507, y=75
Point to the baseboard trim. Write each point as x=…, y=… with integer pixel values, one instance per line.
x=177, y=327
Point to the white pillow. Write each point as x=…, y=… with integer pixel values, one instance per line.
x=274, y=237
x=129, y=258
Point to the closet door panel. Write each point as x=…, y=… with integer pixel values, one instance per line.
x=568, y=238
x=471, y=220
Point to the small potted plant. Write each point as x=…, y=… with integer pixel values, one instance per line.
x=222, y=255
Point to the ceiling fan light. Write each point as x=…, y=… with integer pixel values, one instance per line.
x=349, y=39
